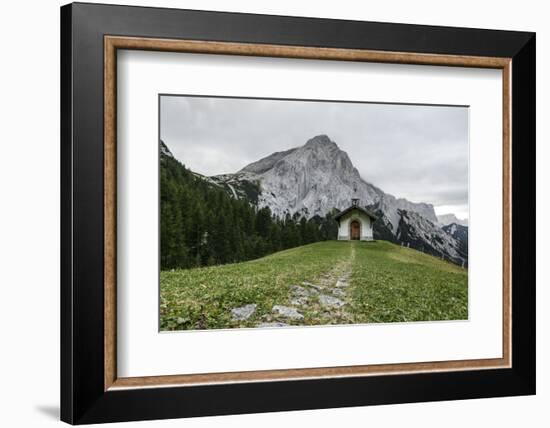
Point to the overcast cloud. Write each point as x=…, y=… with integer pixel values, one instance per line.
x=411, y=151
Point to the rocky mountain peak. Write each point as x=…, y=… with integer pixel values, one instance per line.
x=316, y=178
x=310, y=180
x=265, y=164
x=323, y=153
x=321, y=141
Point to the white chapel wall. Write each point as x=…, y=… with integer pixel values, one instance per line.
x=366, y=226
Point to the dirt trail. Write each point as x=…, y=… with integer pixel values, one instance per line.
x=324, y=300
x=339, y=275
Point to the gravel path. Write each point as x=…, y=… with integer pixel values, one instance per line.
x=324, y=299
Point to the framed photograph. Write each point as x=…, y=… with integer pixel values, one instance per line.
x=265, y=213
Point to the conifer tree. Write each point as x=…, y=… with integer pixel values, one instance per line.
x=201, y=224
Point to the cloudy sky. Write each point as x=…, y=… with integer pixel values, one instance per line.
x=411, y=151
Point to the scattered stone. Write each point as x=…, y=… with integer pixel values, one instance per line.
x=299, y=291
x=330, y=301
x=272, y=324
x=244, y=312
x=299, y=301
x=287, y=312
x=338, y=292
x=315, y=286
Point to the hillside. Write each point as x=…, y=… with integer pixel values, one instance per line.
x=317, y=178
x=201, y=224
x=331, y=282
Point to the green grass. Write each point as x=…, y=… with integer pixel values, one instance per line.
x=388, y=283
x=396, y=284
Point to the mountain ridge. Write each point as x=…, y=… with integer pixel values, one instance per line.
x=447, y=219
x=318, y=177
x=315, y=178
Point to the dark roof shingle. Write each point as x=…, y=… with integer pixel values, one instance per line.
x=363, y=210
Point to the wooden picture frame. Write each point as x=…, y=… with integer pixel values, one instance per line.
x=91, y=390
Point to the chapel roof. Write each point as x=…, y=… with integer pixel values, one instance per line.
x=363, y=210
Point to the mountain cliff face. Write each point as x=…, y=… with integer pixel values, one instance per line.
x=318, y=177
x=315, y=178
x=422, y=234
x=460, y=234
x=310, y=180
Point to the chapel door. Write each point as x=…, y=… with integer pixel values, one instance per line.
x=355, y=230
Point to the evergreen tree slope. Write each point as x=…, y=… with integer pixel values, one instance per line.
x=202, y=225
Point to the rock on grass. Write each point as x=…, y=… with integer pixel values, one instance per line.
x=244, y=312
x=298, y=291
x=299, y=301
x=330, y=301
x=287, y=312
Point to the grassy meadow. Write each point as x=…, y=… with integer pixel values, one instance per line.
x=330, y=282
